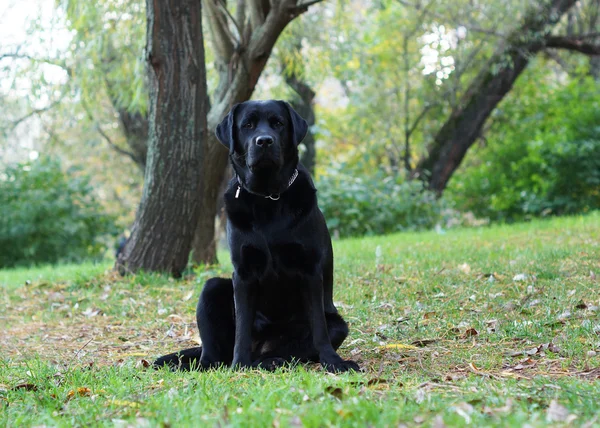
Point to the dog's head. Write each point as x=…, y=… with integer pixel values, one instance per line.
x=262, y=138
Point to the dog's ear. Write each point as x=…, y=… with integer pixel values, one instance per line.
x=224, y=131
x=300, y=126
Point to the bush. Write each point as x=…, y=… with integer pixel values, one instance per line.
x=48, y=216
x=542, y=158
x=375, y=204
x=572, y=170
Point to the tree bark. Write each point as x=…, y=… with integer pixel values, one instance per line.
x=162, y=233
x=304, y=105
x=135, y=126
x=462, y=129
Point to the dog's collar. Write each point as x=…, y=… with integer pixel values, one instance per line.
x=272, y=196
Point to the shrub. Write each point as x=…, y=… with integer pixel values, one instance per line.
x=47, y=215
x=572, y=170
x=542, y=158
x=375, y=204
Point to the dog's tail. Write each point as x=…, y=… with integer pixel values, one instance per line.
x=186, y=360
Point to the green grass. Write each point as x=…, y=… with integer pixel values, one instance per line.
x=438, y=339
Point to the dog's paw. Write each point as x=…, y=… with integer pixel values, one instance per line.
x=341, y=366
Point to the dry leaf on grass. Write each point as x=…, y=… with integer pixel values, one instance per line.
x=538, y=350
x=464, y=410
x=143, y=364
x=26, y=386
x=423, y=342
x=558, y=413
x=335, y=391
x=499, y=410
x=92, y=312
x=465, y=268
x=397, y=346
x=470, y=332
x=81, y=392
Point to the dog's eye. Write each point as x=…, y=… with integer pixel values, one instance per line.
x=248, y=125
x=278, y=123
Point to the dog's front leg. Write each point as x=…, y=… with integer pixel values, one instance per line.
x=244, y=295
x=328, y=358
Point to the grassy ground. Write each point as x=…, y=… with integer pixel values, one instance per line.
x=497, y=326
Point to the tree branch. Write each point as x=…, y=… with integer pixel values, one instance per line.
x=90, y=116
x=34, y=112
x=576, y=44
x=50, y=61
x=257, y=14
x=303, y=6
x=222, y=39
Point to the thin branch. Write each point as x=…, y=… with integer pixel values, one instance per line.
x=114, y=146
x=51, y=61
x=222, y=39
x=223, y=6
x=469, y=26
x=37, y=111
x=90, y=116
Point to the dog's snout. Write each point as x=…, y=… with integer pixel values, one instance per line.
x=264, y=140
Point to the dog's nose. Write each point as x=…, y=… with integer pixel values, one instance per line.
x=264, y=140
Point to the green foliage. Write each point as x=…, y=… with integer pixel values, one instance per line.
x=106, y=51
x=542, y=156
x=375, y=204
x=47, y=215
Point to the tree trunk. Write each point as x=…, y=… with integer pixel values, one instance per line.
x=205, y=240
x=135, y=126
x=304, y=105
x=462, y=129
x=163, y=230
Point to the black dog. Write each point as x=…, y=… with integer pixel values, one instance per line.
x=278, y=307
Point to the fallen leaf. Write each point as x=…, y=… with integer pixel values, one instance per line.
x=423, y=342
x=470, y=332
x=26, y=386
x=558, y=413
x=465, y=268
x=125, y=403
x=379, y=383
x=335, y=391
x=174, y=318
x=143, y=364
x=565, y=315
x=420, y=395
x=581, y=305
x=84, y=391
x=520, y=277
x=438, y=422
x=397, y=346
x=464, y=409
x=495, y=410
x=92, y=312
